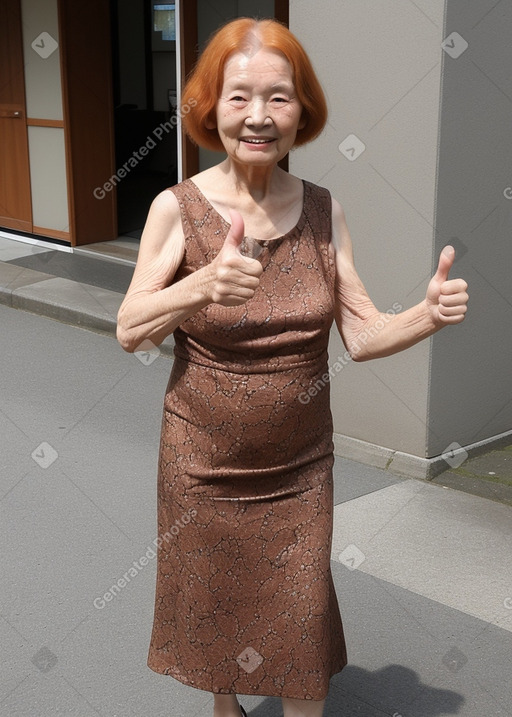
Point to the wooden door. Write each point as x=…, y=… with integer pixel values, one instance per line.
x=15, y=199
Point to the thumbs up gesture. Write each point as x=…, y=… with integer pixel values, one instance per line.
x=446, y=298
x=235, y=277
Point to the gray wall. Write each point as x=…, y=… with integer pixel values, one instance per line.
x=437, y=159
x=471, y=378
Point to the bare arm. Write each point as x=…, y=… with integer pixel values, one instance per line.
x=151, y=308
x=368, y=333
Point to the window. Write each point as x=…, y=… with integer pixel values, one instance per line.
x=164, y=20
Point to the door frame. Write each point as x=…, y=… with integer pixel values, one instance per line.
x=88, y=120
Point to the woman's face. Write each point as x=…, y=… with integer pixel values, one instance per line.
x=258, y=113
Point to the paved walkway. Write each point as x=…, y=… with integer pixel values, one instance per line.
x=422, y=572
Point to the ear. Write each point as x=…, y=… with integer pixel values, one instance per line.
x=211, y=122
x=303, y=120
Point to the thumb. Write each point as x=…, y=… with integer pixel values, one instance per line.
x=236, y=233
x=446, y=259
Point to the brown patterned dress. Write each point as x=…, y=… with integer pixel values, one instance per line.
x=245, y=600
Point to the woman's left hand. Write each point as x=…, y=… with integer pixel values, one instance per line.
x=446, y=298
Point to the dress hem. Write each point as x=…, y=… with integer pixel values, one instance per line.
x=183, y=680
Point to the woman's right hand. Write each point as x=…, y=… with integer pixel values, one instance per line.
x=235, y=277
x=155, y=305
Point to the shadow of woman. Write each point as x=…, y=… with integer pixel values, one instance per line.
x=393, y=690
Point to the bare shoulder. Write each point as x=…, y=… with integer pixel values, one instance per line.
x=341, y=241
x=162, y=246
x=165, y=206
x=166, y=201
x=163, y=224
x=338, y=213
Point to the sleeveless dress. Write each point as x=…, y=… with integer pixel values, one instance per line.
x=245, y=602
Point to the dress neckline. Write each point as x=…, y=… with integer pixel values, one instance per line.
x=263, y=242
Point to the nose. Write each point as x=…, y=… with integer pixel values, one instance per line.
x=258, y=115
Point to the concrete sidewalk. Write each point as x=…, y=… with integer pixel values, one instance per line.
x=85, y=288
x=422, y=572
x=77, y=288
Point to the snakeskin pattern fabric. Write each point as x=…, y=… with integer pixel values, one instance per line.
x=245, y=601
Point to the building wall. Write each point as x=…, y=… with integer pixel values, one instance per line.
x=380, y=64
x=471, y=377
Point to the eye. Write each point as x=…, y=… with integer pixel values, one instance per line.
x=237, y=98
x=279, y=99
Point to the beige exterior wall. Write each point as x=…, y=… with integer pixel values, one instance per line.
x=381, y=71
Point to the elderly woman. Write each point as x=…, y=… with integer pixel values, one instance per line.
x=248, y=266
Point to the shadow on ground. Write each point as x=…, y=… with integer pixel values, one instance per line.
x=394, y=690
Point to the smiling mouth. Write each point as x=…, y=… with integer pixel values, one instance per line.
x=249, y=140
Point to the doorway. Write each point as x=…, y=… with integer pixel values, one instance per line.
x=144, y=89
x=148, y=52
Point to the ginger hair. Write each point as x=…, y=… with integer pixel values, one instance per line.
x=203, y=87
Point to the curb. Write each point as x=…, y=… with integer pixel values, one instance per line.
x=71, y=302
